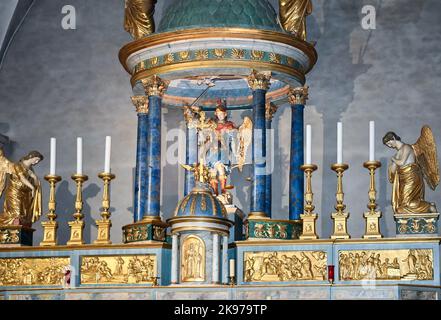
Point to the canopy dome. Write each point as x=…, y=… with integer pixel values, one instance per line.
x=202, y=203
x=188, y=14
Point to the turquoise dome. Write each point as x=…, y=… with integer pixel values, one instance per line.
x=201, y=202
x=188, y=14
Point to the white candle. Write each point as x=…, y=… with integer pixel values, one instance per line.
x=339, y=143
x=79, y=156
x=232, y=268
x=53, y=156
x=107, y=155
x=372, y=141
x=308, y=144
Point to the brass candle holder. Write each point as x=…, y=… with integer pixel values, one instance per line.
x=309, y=217
x=77, y=226
x=232, y=281
x=50, y=227
x=372, y=216
x=105, y=223
x=340, y=217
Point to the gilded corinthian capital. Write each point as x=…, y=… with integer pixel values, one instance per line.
x=155, y=86
x=298, y=95
x=138, y=19
x=259, y=80
x=141, y=104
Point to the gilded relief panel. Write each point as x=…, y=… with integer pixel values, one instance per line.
x=33, y=271
x=193, y=259
x=274, y=266
x=397, y=264
x=123, y=269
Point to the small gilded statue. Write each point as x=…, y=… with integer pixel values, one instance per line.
x=22, y=188
x=411, y=165
x=138, y=20
x=293, y=15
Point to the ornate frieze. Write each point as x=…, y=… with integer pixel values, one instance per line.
x=396, y=264
x=271, y=266
x=122, y=269
x=33, y=271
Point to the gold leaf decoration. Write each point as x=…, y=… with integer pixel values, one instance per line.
x=290, y=61
x=169, y=58
x=201, y=54
x=154, y=61
x=257, y=54
x=184, y=55
x=274, y=57
x=237, y=53
x=220, y=53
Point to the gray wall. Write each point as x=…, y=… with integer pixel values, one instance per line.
x=69, y=83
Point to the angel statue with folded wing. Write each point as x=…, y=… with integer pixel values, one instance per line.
x=224, y=147
x=411, y=165
x=22, y=189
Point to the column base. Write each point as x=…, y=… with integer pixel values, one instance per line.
x=148, y=229
x=309, y=230
x=372, y=230
x=340, y=225
x=76, y=233
x=49, y=234
x=16, y=236
x=266, y=228
x=103, y=232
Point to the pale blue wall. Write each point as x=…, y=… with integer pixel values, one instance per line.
x=68, y=83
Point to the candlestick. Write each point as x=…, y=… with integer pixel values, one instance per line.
x=372, y=216
x=77, y=226
x=309, y=217
x=339, y=143
x=107, y=154
x=372, y=141
x=308, y=145
x=79, y=156
x=53, y=157
x=340, y=216
x=105, y=223
x=50, y=227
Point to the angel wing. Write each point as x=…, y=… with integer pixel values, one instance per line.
x=6, y=168
x=426, y=157
x=138, y=20
x=245, y=137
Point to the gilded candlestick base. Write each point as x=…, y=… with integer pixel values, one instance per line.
x=309, y=218
x=76, y=233
x=105, y=223
x=372, y=217
x=232, y=281
x=77, y=226
x=50, y=227
x=340, y=217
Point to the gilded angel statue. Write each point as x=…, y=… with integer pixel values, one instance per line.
x=292, y=14
x=224, y=147
x=138, y=19
x=411, y=165
x=22, y=190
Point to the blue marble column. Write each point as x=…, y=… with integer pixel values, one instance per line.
x=297, y=99
x=259, y=84
x=191, y=157
x=139, y=206
x=154, y=88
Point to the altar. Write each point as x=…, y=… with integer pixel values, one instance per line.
x=211, y=66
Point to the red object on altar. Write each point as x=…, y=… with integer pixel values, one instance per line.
x=331, y=273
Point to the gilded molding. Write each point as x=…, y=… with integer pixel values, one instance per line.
x=141, y=104
x=298, y=95
x=259, y=80
x=202, y=33
x=155, y=86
